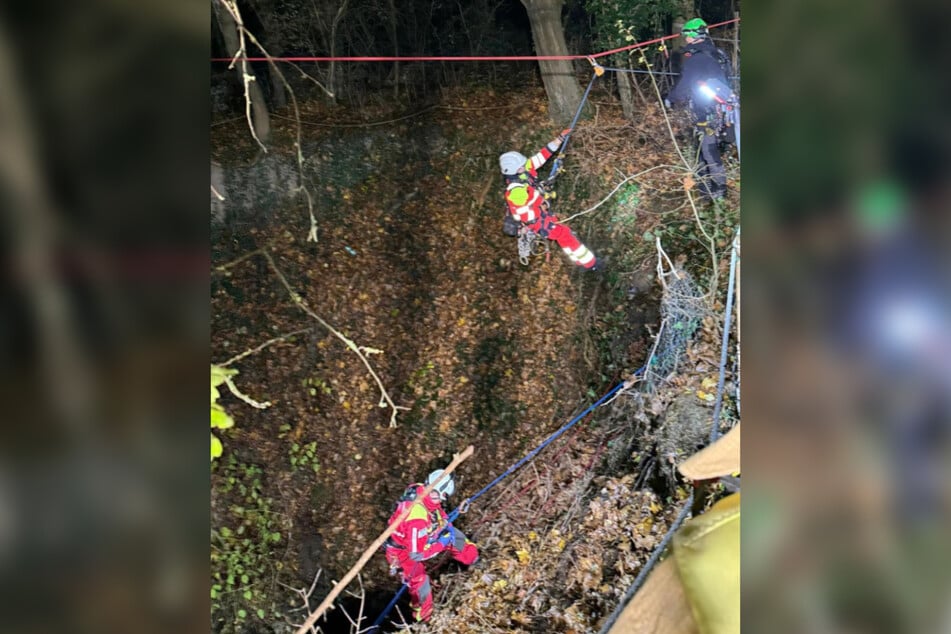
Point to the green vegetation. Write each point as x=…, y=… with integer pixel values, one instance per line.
x=243, y=558
x=219, y=417
x=304, y=457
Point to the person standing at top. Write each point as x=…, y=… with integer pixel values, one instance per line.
x=704, y=84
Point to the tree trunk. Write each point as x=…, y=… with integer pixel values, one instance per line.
x=259, y=113
x=682, y=12
x=564, y=94
x=332, y=80
x=278, y=92
x=627, y=97
x=396, y=50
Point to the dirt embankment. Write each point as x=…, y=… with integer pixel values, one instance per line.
x=411, y=261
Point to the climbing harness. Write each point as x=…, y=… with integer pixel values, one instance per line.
x=727, y=110
x=529, y=242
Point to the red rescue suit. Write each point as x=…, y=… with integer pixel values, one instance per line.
x=528, y=205
x=424, y=533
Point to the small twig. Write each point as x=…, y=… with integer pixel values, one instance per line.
x=362, y=601
x=306, y=75
x=312, y=233
x=248, y=353
x=650, y=357
x=305, y=598
x=247, y=399
x=217, y=195
x=227, y=265
x=225, y=121
x=714, y=274
x=661, y=273
x=670, y=129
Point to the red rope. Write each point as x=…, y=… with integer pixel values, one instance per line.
x=461, y=58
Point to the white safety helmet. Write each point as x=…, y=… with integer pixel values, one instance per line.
x=445, y=488
x=512, y=162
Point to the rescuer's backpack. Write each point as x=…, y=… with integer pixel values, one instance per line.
x=510, y=225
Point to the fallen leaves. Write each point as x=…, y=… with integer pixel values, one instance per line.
x=497, y=335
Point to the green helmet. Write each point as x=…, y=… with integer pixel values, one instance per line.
x=694, y=28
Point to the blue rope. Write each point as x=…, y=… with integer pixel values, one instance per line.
x=526, y=458
x=726, y=340
x=535, y=451
x=557, y=164
x=386, y=610
x=647, y=566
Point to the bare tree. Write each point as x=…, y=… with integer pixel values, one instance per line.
x=682, y=12
x=333, y=41
x=228, y=21
x=396, y=48
x=564, y=94
x=624, y=81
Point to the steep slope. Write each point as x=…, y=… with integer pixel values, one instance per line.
x=411, y=261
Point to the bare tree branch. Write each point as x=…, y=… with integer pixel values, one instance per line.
x=385, y=399
x=248, y=353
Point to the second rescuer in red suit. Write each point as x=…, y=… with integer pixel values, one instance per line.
x=425, y=533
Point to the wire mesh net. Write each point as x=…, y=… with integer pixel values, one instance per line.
x=682, y=309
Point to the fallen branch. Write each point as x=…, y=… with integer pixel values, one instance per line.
x=384, y=395
x=365, y=557
x=222, y=268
